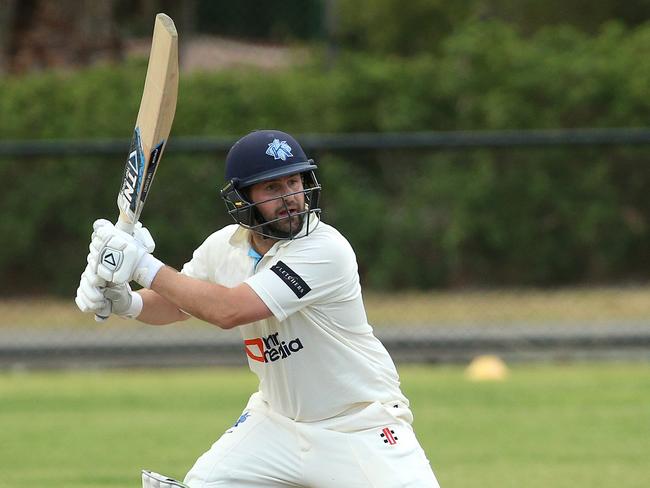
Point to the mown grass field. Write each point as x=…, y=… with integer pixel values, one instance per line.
x=564, y=426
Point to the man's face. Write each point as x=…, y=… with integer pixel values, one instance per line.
x=276, y=207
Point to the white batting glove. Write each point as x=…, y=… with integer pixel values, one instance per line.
x=122, y=301
x=155, y=480
x=141, y=234
x=90, y=298
x=120, y=257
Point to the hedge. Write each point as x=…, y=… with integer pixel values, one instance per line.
x=417, y=219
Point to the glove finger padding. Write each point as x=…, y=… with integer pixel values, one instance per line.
x=97, y=224
x=143, y=236
x=90, y=273
x=89, y=297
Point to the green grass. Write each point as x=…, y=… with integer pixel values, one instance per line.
x=545, y=426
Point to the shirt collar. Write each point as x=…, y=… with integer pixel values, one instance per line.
x=242, y=236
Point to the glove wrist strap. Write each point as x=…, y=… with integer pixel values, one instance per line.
x=147, y=269
x=136, y=306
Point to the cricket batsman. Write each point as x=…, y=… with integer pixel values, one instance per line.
x=329, y=412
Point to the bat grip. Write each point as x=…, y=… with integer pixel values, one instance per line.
x=100, y=317
x=125, y=225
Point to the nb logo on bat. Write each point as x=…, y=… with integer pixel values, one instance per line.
x=111, y=258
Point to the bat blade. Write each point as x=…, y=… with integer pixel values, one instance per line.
x=153, y=124
x=152, y=127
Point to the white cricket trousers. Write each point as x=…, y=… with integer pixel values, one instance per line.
x=375, y=447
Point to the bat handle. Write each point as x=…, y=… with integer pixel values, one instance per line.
x=125, y=226
x=102, y=317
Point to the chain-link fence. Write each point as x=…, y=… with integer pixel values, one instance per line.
x=435, y=330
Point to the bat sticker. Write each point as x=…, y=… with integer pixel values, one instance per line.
x=151, y=170
x=133, y=172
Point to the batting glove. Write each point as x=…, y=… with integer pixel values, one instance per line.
x=122, y=301
x=89, y=296
x=120, y=257
x=140, y=233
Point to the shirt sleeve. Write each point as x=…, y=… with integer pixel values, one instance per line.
x=197, y=267
x=309, y=275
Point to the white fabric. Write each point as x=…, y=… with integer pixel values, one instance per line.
x=136, y=306
x=90, y=298
x=317, y=357
x=265, y=449
x=147, y=269
x=123, y=301
x=141, y=233
x=120, y=257
x=151, y=479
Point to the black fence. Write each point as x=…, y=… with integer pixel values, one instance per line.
x=433, y=334
x=357, y=141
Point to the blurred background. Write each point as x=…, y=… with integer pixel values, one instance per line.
x=487, y=159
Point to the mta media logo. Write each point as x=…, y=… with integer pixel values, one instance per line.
x=279, y=149
x=271, y=348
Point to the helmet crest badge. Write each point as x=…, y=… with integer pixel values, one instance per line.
x=279, y=149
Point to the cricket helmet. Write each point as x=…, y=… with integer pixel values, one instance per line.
x=265, y=155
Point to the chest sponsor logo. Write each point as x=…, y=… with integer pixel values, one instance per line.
x=271, y=348
x=291, y=278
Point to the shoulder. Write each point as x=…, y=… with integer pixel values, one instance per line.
x=325, y=242
x=222, y=236
x=218, y=242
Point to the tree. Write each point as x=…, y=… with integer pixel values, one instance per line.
x=42, y=34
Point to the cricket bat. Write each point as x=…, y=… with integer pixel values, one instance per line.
x=152, y=126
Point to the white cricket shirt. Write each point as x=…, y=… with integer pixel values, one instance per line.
x=316, y=357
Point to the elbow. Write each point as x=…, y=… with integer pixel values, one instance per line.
x=229, y=319
x=235, y=308
x=224, y=319
x=226, y=323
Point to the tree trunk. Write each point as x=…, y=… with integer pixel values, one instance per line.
x=7, y=12
x=61, y=34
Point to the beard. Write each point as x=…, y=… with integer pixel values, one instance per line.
x=286, y=228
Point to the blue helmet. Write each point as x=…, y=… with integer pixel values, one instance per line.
x=265, y=155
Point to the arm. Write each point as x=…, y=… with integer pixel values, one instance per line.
x=173, y=294
x=219, y=305
x=157, y=310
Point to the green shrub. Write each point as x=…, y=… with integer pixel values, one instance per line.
x=417, y=218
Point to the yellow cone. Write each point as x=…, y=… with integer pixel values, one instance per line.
x=487, y=368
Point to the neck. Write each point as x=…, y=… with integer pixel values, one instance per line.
x=261, y=244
